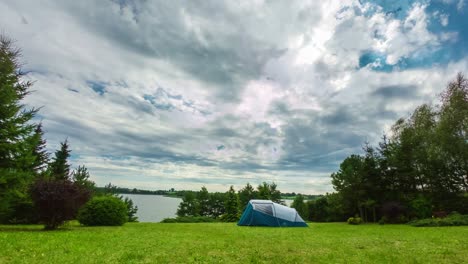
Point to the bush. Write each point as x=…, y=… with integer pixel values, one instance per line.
x=58, y=201
x=103, y=211
x=453, y=219
x=354, y=221
x=189, y=219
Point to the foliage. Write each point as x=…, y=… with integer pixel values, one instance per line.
x=300, y=206
x=58, y=201
x=188, y=206
x=131, y=210
x=112, y=190
x=268, y=191
x=454, y=219
x=394, y=212
x=59, y=168
x=245, y=195
x=354, y=220
x=81, y=177
x=421, y=207
x=231, y=206
x=103, y=211
x=20, y=139
x=203, y=198
x=421, y=168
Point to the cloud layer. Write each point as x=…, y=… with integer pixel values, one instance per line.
x=158, y=94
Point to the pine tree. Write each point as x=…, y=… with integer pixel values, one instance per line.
x=15, y=130
x=232, y=206
x=40, y=151
x=59, y=168
x=81, y=176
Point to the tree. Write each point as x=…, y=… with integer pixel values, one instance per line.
x=231, y=206
x=300, y=206
x=188, y=206
x=58, y=201
x=59, y=168
x=81, y=177
x=217, y=204
x=203, y=198
x=245, y=195
x=131, y=209
x=349, y=182
x=268, y=191
x=16, y=154
x=39, y=150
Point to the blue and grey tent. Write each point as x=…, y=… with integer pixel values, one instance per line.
x=268, y=213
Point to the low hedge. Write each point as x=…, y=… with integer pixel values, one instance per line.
x=103, y=211
x=453, y=219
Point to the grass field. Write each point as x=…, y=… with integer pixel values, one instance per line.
x=228, y=243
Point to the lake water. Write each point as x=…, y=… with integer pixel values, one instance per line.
x=154, y=208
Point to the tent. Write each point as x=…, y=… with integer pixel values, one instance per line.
x=268, y=213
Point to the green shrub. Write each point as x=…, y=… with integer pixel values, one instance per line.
x=103, y=211
x=383, y=220
x=354, y=221
x=453, y=219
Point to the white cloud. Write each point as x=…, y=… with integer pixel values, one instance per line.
x=235, y=92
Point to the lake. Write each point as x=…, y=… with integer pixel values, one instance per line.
x=154, y=208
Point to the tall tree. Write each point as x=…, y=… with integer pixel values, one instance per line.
x=245, y=195
x=15, y=129
x=59, y=168
x=231, y=206
x=203, y=198
x=40, y=151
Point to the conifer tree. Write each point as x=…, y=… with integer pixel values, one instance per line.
x=59, y=168
x=15, y=130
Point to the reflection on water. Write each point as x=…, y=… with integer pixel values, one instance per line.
x=154, y=208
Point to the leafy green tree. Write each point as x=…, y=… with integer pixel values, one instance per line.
x=188, y=206
x=268, y=191
x=453, y=134
x=349, y=182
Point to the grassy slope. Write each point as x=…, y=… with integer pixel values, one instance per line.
x=225, y=243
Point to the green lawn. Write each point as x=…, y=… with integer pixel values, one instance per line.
x=228, y=243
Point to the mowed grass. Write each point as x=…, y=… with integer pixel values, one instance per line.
x=228, y=243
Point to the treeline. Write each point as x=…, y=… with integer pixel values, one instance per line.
x=418, y=171
x=226, y=206
x=34, y=188
x=122, y=190
x=180, y=193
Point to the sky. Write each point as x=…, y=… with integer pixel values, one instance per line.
x=185, y=94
